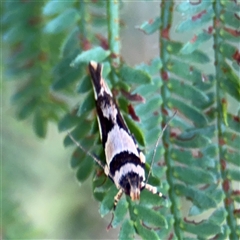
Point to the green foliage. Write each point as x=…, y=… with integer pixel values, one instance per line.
x=200, y=148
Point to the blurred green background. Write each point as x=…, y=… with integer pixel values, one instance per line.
x=41, y=196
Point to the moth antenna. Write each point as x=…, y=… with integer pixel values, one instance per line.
x=157, y=142
x=84, y=150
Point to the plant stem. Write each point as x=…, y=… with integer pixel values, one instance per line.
x=113, y=31
x=221, y=100
x=166, y=16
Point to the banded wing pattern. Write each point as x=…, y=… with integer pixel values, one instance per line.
x=125, y=162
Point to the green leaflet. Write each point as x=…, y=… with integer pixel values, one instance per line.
x=135, y=130
x=233, y=122
x=27, y=108
x=87, y=105
x=151, y=136
x=147, y=89
x=186, y=90
x=195, y=42
x=97, y=54
x=208, y=131
x=40, y=123
x=84, y=85
x=70, y=43
x=193, y=114
x=63, y=21
x=193, y=176
x=189, y=8
x=151, y=200
x=232, y=139
x=131, y=75
x=158, y=171
x=71, y=75
x=151, y=68
x=150, y=106
x=150, y=26
x=151, y=122
x=198, y=197
x=150, y=217
x=64, y=75
x=77, y=157
x=232, y=88
x=85, y=169
x=231, y=6
x=196, y=21
x=218, y=216
x=196, y=141
x=127, y=230
x=233, y=174
x=101, y=185
x=68, y=121
x=159, y=153
x=180, y=123
x=14, y=34
x=52, y=7
x=120, y=212
x=184, y=70
x=202, y=105
x=228, y=50
x=28, y=90
x=107, y=202
x=231, y=85
x=233, y=157
x=210, y=150
x=145, y=233
x=79, y=132
x=202, y=229
x=230, y=19
x=196, y=56
x=229, y=36
x=186, y=157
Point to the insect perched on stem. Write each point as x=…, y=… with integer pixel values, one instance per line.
x=125, y=162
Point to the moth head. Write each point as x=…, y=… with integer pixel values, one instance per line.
x=131, y=184
x=135, y=187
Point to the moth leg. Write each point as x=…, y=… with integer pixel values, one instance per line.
x=154, y=190
x=117, y=198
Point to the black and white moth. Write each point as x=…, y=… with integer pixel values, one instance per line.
x=125, y=162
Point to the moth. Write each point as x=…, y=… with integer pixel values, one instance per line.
x=125, y=162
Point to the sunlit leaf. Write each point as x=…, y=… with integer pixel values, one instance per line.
x=150, y=26
x=134, y=76
x=97, y=54
x=195, y=21
x=52, y=7
x=63, y=21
